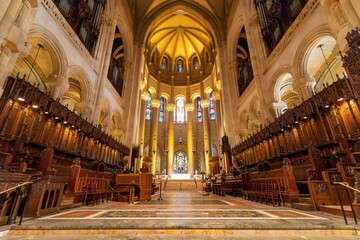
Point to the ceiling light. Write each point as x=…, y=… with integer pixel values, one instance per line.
x=327, y=106
x=21, y=99
x=305, y=117
x=35, y=106
x=340, y=99
x=56, y=118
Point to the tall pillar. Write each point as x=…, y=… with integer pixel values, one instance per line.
x=205, y=106
x=219, y=126
x=144, y=96
x=170, y=166
x=190, y=144
x=155, y=103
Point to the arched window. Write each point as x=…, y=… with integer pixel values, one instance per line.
x=180, y=66
x=180, y=113
x=180, y=163
x=212, y=108
x=198, y=109
x=148, y=107
x=196, y=63
x=162, y=110
x=164, y=63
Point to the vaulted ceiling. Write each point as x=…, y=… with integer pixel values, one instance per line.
x=179, y=35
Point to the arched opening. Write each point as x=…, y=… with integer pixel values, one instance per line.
x=181, y=164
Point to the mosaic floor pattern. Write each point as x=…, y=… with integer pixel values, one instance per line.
x=182, y=202
x=184, y=214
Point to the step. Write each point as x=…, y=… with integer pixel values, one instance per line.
x=303, y=206
x=180, y=185
x=336, y=210
x=305, y=200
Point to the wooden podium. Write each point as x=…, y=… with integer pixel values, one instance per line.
x=136, y=185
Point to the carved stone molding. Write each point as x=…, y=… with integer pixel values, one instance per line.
x=63, y=24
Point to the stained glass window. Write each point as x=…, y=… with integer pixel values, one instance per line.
x=212, y=108
x=162, y=110
x=196, y=63
x=180, y=113
x=198, y=109
x=180, y=66
x=180, y=162
x=148, y=107
x=164, y=63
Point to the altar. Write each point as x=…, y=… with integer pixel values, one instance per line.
x=180, y=176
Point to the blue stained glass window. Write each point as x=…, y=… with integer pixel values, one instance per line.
x=198, y=109
x=212, y=108
x=148, y=107
x=162, y=110
x=164, y=63
x=180, y=66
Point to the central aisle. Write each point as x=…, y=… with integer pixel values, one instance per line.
x=185, y=214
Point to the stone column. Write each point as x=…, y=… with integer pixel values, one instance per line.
x=103, y=53
x=57, y=86
x=84, y=109
x=14, y=27
x=304, y=86
x=205, y=106
x=219, y=126
x=350, y=13
x=144, y=96
x=190, y=144
x=278, y=107
x=155, y=103
x=170, y=166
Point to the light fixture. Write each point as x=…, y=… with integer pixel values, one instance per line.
x=65, y=122
x=340, y=99
x=21, y=99
x=35, y=106
x=46, y=112
x=305, y=117
x=56, y=117
x=326, y=106
x=296, y=121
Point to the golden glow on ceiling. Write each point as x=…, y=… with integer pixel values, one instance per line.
x=179, y=35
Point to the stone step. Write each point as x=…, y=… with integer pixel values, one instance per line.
x=303, y=206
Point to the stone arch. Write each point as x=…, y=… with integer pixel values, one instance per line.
x=194, y=96
x=82, y=77
x=302, y=55
x=53, y=46
x=285, y=92
x=50, y=60
x=275, y=83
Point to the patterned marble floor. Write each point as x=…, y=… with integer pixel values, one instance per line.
x=185, y=215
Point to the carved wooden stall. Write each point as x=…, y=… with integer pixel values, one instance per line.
x=68, y=159
x=319, y=139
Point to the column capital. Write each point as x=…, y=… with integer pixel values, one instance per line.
x=254, y=19
x=144, y=95
x=170, y=107
x=155, y=103
x=216, y=95
x=142, y=85
x=106, y=20
x=205, y=103
x=189, y=107
x=218, y=85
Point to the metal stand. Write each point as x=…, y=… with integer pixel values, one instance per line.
x=160, y=198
